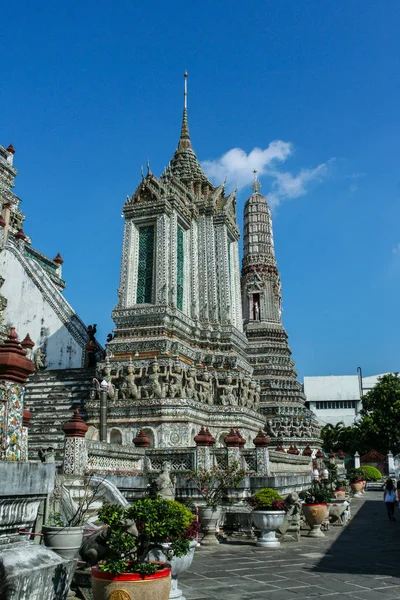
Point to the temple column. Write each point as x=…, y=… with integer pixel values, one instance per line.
x=204, y=442
x=75, y=449
x=194, y=271
x=232, y=442
x=261, y=443
x=203, y=269
x=173, y=259
x=15, y=369
x=211, y=270
x=225, y=301
x=162, y=245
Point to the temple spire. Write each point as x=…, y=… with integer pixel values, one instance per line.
x=184, y=140
x=256, y=184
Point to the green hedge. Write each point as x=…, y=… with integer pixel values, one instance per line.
x=371, y=473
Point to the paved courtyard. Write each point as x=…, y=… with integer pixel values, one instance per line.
x=359, y=561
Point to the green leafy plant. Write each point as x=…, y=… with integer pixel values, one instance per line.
x=341, y=484
x=317, y=494
x=215, y=484
x=371, y=473
x=355, y=475
x=267, y=499
x=72, y=511
x=144, y=526
x=56, y=520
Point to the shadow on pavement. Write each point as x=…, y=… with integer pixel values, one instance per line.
x=370, y=544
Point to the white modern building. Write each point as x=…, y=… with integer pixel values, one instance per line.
x=336, y=398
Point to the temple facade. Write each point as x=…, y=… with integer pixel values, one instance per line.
x=177, y=359
x=31, y=287
x=192, y=346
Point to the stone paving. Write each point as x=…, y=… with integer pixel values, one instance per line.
x=361, y=561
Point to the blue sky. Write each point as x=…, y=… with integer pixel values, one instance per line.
x=90, y=90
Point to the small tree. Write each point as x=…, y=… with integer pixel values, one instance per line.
x=381, y=413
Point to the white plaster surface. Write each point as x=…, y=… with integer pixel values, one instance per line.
x=336, y=388
x=29, y=312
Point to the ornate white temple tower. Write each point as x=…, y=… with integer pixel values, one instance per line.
x=178, y=355
x=180, y=275
x=282, y=398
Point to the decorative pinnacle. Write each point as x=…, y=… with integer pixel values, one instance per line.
x=184, y=140
x=256, y=184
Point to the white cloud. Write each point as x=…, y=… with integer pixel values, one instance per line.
x=237, y=167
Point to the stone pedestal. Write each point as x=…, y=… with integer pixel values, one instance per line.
x=34, y=572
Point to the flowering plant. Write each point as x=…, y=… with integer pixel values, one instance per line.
x=214, y=484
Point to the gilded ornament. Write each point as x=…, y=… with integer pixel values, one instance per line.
x=120, y=595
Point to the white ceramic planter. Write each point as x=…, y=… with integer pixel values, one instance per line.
x=209, y=518
x=178, y=566
x=268, y=521
x=66, y=541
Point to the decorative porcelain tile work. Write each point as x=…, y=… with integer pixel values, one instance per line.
x=12, y=401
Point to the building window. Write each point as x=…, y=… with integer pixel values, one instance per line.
x=179, y=268
x=335, y=404
x=144, y=294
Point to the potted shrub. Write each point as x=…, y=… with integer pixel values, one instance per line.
x=340, y=489
x=134, y=532
x=214, y=486
x=63, y=536
x=268, y=515
x=179, y=564
x=63, y=531
x=356, y=478
x=315, y=508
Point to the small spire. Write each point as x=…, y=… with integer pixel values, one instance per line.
x=184, y=140
x=256, y=184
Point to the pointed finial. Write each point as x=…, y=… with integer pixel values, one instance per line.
x=141, y=171
x=184, y=140
x=185, y=75
x=148, y=167
x=256, y=184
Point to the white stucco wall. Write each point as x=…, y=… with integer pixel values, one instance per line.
x=334, y=388
x=337, y=388
x=28, y=311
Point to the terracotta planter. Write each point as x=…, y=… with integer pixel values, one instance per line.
x=315, y=515
x=178, y=564
x=268, y=521
x=340, y=494
x=364, y=482
x=65, y=541
x=209, y=518
x=357, y=487
x=131, y=586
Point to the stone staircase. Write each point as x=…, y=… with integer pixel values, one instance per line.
x=52, y=396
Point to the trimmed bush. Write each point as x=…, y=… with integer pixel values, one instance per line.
x=371, y=473
x=266, y=499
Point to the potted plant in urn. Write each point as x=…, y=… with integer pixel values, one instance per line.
x=356, y=479
x=133, y=534
x=315, y=508
x=179, y=564
x=268, y=514
x=63, y=530
x=213, y=486
x=340, y=489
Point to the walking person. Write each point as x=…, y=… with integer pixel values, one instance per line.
x=389, y=498
x=398, y=491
